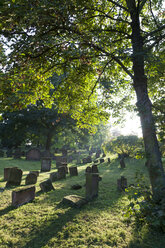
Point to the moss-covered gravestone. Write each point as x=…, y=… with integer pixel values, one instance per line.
x=62, y=172
x=46, y=186
x=15, y=177
x=22, y=196
x=73, y=171
x=31, y=178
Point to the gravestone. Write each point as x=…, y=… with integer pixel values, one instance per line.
x=15, y=177
x=60, y=160
x=122, y=183
x=35, y=172
x=31, y=178
x=54, y=176
x=33, y=154
x=101, y=160
x=46, y=186
x=92, y=185
x=23, y=196
x=7, y=172
x=45, y=164
x=95, y=169
x=122, y=163
x=62, y=172
x=74, y=200
x=109, y=160
x=73, y=171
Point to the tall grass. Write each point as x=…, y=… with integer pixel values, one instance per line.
x=46, y=222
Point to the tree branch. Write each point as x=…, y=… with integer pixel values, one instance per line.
x=119, y=5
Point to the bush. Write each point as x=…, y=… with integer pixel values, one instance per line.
x=127, y=146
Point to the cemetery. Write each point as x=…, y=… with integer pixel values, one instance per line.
x=82, y=124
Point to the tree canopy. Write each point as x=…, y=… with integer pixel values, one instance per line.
x=118, y=42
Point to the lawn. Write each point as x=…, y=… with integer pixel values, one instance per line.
x=46, y=222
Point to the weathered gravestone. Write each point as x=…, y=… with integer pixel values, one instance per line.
x=54, y=176
x=95, y=169
x=31, y=178
x=7, y=172
x=60, y=161
x=23, y=196
x=73, y=171
x=46, y=186
x=74, y=200
x=92, y=184
x=35, y=172
x=33, y=154
x=45, y=164
x=101, y=160
x=62, y=172
x=122, y=163
x=15, y=177
x=122, y=183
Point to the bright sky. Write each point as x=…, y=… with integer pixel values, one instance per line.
x=130, y=126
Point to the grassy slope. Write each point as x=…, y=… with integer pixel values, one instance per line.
x=48, y=223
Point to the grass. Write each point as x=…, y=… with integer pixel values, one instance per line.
x=46, y=222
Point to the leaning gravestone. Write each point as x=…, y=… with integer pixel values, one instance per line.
x=46, y=186
x=23, y=196
x=31, y=178
x=33, y=154
x=15, y=177
x=122, y=183
x=62, y=172
x=45, y=164
x=92, y=184
x=7, y=172
x=73, y=171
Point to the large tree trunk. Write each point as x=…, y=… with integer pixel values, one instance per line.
x=154, y=163
x=49, y=140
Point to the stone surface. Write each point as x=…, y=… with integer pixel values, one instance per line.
x=74, y=200
x=33, y=154
x=88, y=169
x=46, y=186
x=122, y=183
x=92, y=185
x=76, y=186
x=31, y=178
x=15, y=177
x=73, y=171
x=62, y=172
x=54, y=176
x=23, y=196
x=7, y=172
x=45, y=164
x=95, y=169
x=35, y=172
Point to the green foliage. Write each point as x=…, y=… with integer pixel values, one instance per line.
x=130, y=146
x=143, y=207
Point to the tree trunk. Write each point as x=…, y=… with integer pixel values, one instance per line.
x=48, y=140
x=153, y=155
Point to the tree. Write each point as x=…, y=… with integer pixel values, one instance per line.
x=109, y=39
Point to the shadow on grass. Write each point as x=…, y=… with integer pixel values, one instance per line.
x=6, y=210
x=39, y=238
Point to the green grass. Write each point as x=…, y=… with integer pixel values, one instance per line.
x=46, y=222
